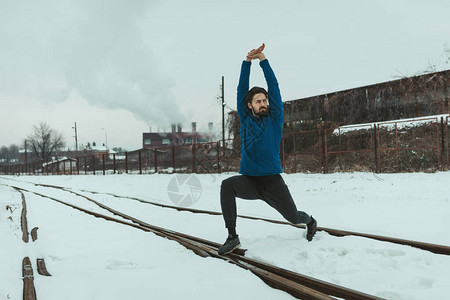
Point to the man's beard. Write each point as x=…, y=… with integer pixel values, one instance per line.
x=263, y=113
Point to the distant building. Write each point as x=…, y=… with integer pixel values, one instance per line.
x=176, y=137
x=99, y=151
x=61, y=164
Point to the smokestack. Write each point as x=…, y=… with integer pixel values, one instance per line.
x=210, y=126
x=174, y=127
x=179, y=128
x=194, y=126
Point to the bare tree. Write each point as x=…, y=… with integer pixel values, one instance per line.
x=13, y=152
x=44, y=141
x=4, y=154
x=9, y=154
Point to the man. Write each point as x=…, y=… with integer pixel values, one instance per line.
x=260, y=132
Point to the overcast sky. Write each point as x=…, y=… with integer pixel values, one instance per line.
x=126, y=66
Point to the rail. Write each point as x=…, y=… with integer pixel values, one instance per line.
x=298, y=285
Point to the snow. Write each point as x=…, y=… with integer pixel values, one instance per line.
x=91, y=258
x=390, y=125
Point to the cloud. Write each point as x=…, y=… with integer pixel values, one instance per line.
x=95, y=49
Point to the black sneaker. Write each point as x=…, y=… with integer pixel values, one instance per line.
x=230, y=244
x=312, y=229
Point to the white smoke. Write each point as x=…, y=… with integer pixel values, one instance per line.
x=51, y=49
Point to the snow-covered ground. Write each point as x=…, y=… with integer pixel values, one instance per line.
x=91, y=258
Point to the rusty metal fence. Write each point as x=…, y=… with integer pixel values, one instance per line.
x=388, y=147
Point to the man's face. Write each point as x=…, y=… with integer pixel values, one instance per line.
x=259, y=105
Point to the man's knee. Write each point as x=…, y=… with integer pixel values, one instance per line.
x=226, y=188
x=228, y=184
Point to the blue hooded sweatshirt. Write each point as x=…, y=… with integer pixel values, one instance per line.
x=260, y=136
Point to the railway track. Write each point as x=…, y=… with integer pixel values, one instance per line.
x=435, y=248
x=29, y=291
x=298, y=285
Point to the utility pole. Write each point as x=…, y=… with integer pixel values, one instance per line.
x=76, y=137
x=223, y=117
x=26, y=157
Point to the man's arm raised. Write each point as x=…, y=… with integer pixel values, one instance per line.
x=275, y=102
x=273, y=89
x=244, y=78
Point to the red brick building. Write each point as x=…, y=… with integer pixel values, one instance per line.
x=176, y=137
